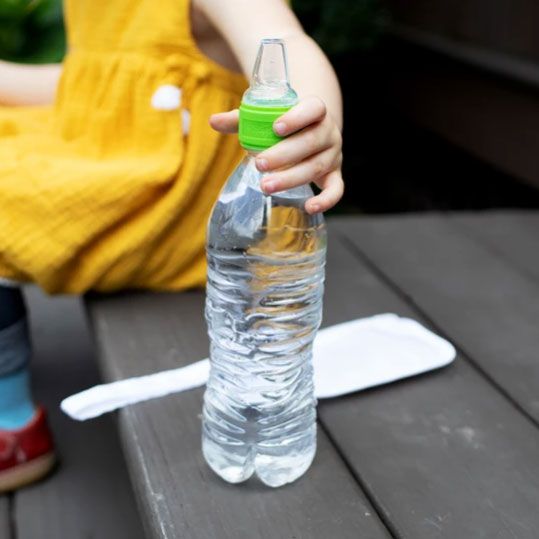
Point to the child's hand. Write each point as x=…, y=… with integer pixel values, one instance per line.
x=312, y=152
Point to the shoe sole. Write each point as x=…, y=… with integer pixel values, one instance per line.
x=27, y=473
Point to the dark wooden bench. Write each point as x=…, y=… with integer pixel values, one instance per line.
x=451, y=454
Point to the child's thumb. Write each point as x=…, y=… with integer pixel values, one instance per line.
x=225, y=122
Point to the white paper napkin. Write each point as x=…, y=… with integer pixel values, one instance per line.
x=347, y=357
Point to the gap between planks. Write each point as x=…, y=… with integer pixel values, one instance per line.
x=361, y=255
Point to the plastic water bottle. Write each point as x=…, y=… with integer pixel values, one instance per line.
x=266, y=259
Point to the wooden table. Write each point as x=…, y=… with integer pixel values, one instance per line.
x=453, y=454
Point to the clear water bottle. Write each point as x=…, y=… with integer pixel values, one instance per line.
x=266, y=259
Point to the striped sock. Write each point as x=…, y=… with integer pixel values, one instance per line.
x=16, y=405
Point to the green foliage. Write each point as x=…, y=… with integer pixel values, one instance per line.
x=341, y=26
x=31, y=31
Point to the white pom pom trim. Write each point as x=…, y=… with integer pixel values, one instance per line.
x=167, y=97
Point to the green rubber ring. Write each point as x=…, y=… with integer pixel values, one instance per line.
x=256, y=126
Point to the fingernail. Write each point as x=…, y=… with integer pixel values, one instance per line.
x=315, y=208
x=269, y=186
x=280, y=128
x=262, y=164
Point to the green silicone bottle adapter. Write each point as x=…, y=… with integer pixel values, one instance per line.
x=268, y=97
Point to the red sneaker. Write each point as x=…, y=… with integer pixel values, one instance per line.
x=26, y=454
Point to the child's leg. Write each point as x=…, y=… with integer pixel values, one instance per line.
x=16, y=405
x=26, y=446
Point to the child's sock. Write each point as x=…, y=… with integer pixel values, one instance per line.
x=16, y=405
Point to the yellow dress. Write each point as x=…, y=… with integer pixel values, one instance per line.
x=103, y=190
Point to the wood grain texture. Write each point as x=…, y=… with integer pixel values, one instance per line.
x=443, y=454
x=478, y=298
x=89, y=495
x=178, y=493
x=512, y=235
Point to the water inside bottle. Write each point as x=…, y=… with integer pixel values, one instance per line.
x=265, y=283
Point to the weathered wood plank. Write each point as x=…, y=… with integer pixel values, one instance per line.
x=444, y=454
x=4, y=518
x=89, y=495
x=513, y=235
x=487, y=306
x=178, y=493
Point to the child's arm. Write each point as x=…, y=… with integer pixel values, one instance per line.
x=28, y=85
x=314, y=151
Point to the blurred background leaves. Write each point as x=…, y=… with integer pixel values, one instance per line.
x=343, y=26
x=31, y=31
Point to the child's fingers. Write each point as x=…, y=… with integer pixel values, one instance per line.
x=297, y=148
x=308, y=111
x=225, y=122
x=332, y=190
x=307, y=171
